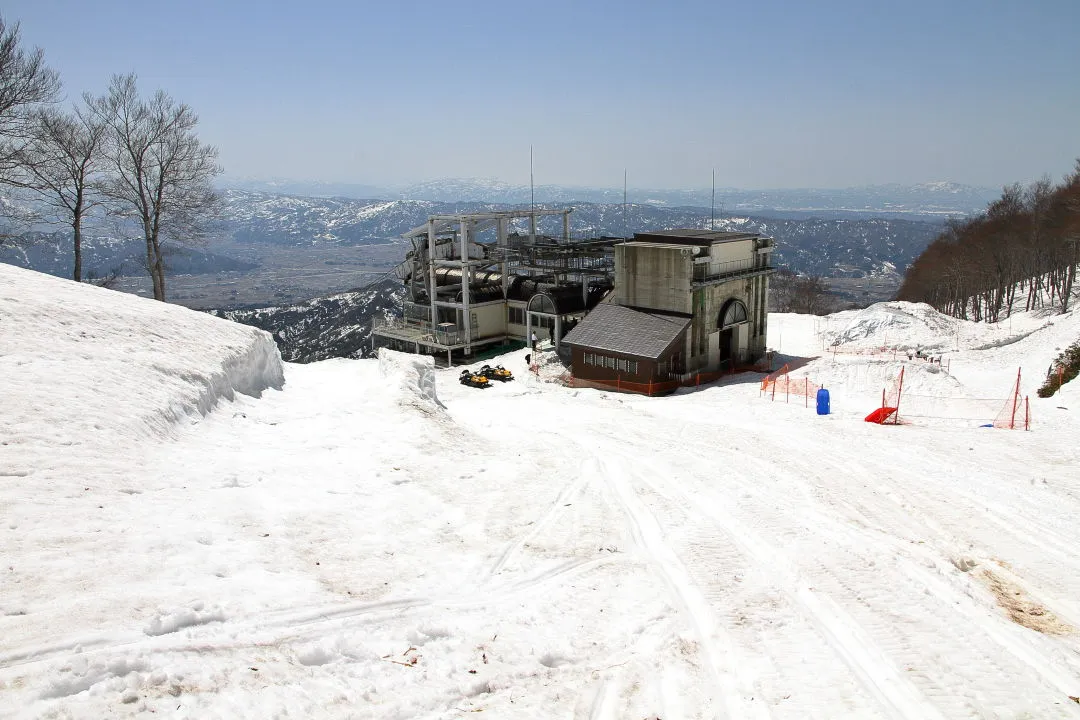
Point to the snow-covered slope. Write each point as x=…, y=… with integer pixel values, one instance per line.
x=79, y=363
x=378, y=541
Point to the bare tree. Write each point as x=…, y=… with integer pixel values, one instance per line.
x=810, y=295
x=61, y=164
x=26, y=82
x=805, y=294
x=159, y=172
x=1028, y=240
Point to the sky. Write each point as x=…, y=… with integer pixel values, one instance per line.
x=767, y=94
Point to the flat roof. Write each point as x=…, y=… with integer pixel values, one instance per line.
x=647, y=243
x=693, y=236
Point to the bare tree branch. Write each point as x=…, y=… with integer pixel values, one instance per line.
x=159, y=174
x=26, y=83
x=62, y=163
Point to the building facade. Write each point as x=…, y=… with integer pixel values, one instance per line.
x=713, y=283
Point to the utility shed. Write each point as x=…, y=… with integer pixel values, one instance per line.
x=615, y=343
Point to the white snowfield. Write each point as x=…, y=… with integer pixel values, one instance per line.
x=372, y=539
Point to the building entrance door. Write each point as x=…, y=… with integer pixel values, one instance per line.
x=727, y=340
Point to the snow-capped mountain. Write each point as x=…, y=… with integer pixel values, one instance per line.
x=829, y=244
x=893, y=200
x=105, y=254
x=836, y=246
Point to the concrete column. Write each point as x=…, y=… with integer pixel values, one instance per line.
x=566, y=226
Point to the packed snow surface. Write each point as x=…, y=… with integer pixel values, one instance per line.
x=372, y=539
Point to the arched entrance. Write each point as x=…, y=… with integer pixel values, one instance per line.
x=541, y=312
x=732, y=324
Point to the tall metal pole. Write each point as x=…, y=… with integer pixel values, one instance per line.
x=625, y=212
x=712, y=212
x=532, y=201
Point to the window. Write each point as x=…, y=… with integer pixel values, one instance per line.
x=516, y=315
x=734, y=313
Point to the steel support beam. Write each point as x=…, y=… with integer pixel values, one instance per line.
x=431, y=272
x=466, y=282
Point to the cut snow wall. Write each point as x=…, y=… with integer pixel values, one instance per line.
x=414, y=375
x=80, y=364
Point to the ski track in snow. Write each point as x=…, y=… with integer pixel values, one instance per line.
x=535, y=551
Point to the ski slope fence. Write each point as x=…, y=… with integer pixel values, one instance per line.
x=890, y=353
x=781, y=384
x=899, y=406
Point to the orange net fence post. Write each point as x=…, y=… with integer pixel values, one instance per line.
x=789, y=386
x=768, y=383
x=889, y=412
x=1016, y=412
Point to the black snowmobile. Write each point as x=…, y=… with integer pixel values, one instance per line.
x=496, y=373
x=477, y=380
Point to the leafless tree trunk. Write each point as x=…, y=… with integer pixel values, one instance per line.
x=159, y=171
x=61, y=163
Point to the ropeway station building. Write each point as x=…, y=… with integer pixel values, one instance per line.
x=647, y=310
x=477, y=280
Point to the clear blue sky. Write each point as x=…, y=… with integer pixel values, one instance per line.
x=830, y=93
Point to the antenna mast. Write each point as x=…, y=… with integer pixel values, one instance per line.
x=532, y=200
x=625, y=211
x=712, y=212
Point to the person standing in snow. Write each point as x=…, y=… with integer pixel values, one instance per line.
x=534, y=341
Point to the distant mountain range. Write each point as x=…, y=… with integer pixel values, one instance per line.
x=103, y=255
x=847, y=245
x=835, y=246
x=891, y=200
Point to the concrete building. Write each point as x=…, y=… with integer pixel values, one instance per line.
x=710, y=287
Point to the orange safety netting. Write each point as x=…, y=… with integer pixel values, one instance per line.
x=660, y=387
x=780, y=383
x=1016, y=412
x=898, y=406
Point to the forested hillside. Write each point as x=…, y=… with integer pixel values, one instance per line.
x=1026, y=243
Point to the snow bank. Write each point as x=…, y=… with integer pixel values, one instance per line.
x=904, y=325
x=77, y=361
x=412, y=375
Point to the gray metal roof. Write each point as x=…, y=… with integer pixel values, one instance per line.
x=618, y=329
